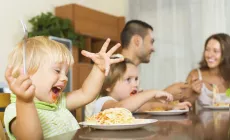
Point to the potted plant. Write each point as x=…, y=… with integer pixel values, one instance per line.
x=47, y=24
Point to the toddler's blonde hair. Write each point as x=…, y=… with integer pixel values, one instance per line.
x=38, y=50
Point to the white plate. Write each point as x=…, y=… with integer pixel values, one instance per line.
x=216, y=107
x=170, y=112
x=139, y=123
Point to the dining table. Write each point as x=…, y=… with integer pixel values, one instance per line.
x=203, y=124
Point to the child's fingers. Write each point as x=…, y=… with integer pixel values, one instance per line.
x=21, y=79
x=30, y=90
x=87, y=54
x=188, y=104
x=26, y=84
x=113, y=49
x=105, y=46
x=8, y=74
x=21, y=71
x=186, y=108
x=107, y=64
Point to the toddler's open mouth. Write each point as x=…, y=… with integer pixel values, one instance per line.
x=133, y=92
x=55, y=93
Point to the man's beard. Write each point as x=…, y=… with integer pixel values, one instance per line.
x=144, y=59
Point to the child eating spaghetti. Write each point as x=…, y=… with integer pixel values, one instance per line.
x=120, y=89
x=39, y=108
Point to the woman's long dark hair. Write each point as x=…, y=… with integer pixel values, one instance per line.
x=224, y=40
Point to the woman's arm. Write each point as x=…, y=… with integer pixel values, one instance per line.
x=192, y=93
x=177, y=89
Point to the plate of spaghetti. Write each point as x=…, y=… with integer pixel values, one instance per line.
x=217, y=102
x=116, y=119
x=162, y=111
x=218, y=106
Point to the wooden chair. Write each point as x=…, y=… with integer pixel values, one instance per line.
x=4, y=102
x=2, y=133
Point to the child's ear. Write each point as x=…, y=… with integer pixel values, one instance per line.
x=108, y=89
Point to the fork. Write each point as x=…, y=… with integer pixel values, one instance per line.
x=214, y=91
x=24, y=45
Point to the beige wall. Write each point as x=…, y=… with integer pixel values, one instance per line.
x=12, y=10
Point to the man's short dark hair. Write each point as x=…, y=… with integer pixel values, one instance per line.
x=133, y=27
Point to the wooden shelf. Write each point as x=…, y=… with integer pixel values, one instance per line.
x=92, y=23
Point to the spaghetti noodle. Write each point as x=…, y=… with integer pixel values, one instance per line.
x=158, y=109
x=113, y=116
x=214, y=91
x=165, y=108
x=216, y=102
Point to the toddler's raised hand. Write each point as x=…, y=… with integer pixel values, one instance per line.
x=163, y=94
x=102, y=58
x=21, y=86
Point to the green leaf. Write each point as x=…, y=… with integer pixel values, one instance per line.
x=228, y=92
x=48, y=24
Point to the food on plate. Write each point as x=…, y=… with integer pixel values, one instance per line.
x=158, y=109
x=217, y=102
x=165, y=108
x=174, y=103
x=221, y=104
x=214, y=91
x=112, y=116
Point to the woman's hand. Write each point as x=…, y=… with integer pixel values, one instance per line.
x=177, y=90
x=163, y=94
x=102, y=58
x=21, y=86
x=196, y=85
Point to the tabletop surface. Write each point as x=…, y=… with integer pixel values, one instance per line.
x=205, y=124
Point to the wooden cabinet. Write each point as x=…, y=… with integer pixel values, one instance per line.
x=92, y=23
x=96, y=27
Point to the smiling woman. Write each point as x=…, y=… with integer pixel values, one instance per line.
x=214, y=70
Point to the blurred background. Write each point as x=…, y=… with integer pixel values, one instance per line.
x=180, y=30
